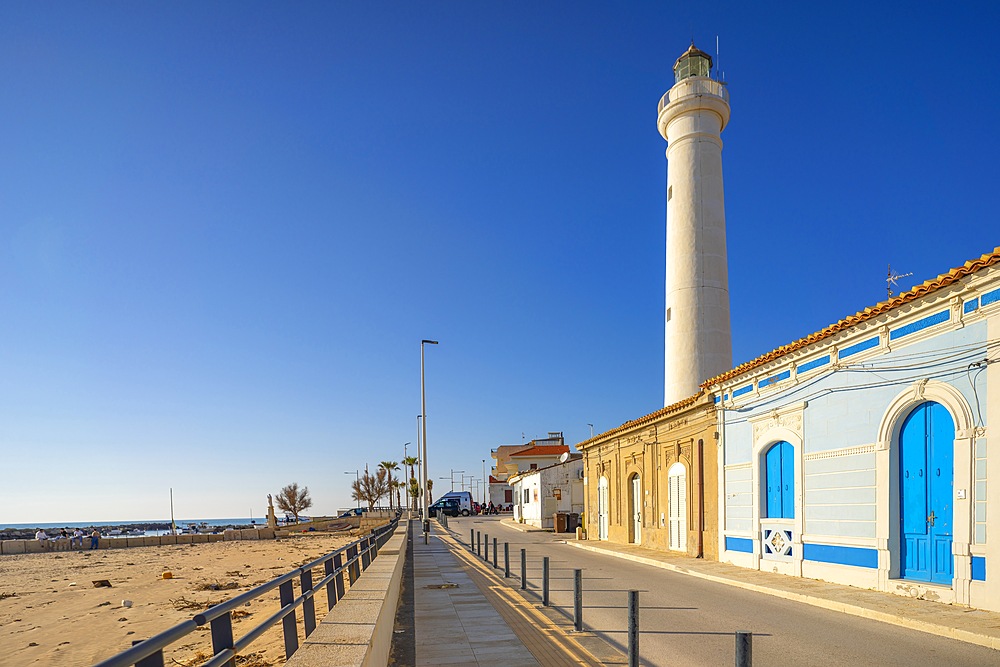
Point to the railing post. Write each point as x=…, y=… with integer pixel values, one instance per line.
x=222, y=635
x=524, y=570
x=352, y=569
x=744, y=649
x=633, y=629
x=287, y=596
x=366, y=556
x=331, y=586
x=338, y=566
x=506, y=560
x=375, y=546
x=309, y=604
x=545, y=581
x=155, y=660
x=494, y=553
x=578, y=600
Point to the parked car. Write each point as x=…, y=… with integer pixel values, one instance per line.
x=464, y=499
x=446, y=506
x=357, y=511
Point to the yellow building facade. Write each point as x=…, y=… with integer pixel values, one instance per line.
x=653, y=481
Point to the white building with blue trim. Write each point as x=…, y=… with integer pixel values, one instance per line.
x=862, y=453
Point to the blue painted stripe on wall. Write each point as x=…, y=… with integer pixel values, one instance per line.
x=978, y=568
x=742, y=390
x=815, y=363
x=774, y=378
x=739, y=544
x=829, y=553
x=990, y=297
x=970, y=306
x=858, y=347
x=724, y=397
x=913, y=327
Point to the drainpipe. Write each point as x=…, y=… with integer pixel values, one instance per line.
x=700, y=494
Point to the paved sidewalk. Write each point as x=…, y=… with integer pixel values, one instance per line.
x=463, y=615
x=962, y=623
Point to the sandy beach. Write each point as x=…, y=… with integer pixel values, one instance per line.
x=51, y=613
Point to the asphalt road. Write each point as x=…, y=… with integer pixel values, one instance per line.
x=685, y=620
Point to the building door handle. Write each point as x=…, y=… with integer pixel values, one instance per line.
x=930, y=519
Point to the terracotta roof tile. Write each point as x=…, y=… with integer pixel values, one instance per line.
x=943, y=280
x=653, y=416
x=542, y=450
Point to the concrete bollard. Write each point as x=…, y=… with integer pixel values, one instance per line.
x=524, y=570
x=494, y=553
x=479, y=544
x=506, y=560
x=633, y=629
x=744, y=649
x=472, y=539
x=486, y=547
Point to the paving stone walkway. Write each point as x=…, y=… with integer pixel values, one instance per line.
x=455, y=623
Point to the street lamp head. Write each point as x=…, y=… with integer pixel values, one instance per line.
x=429, y=342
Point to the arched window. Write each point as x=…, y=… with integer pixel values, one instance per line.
x=779, y=480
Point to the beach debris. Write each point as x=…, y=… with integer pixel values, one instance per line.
x=72, y=583
x=101, y=583
x=32, y=643
x=216, y=586
x=4, y=596
x=122, y=619
x=126, y=603
x=167, y=575
x=104, y=604
x=182, y=603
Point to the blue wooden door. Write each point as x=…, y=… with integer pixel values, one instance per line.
x=926, y=470
x=779, y=471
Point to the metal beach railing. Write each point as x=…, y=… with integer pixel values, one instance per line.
x=359, y=555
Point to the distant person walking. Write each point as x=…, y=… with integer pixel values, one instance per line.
x=95, y=539
x=43, y=539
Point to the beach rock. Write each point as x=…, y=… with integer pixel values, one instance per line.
x=126, y=603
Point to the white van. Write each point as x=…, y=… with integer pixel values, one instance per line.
x=464, y=500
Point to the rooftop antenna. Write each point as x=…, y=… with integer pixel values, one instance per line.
x=892, y=279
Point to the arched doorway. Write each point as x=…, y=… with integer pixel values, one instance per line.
x=926, y=478
x=677, y=507
x=635, y=509
x=602, y=508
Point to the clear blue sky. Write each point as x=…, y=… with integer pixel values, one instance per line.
x=225, y=227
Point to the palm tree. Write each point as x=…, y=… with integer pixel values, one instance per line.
x=389, y=466
x=412, y=489
x=397, y=485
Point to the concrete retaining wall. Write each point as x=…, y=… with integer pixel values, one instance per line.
x=358, y=630
x=33, y=547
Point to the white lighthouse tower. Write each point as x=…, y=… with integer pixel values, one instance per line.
x=697, y=339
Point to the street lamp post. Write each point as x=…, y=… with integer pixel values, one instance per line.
x=420, y=462
x=357, y=476
x=486, y=482
x=423, y=411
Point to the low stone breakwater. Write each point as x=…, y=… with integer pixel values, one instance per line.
x=29, y=546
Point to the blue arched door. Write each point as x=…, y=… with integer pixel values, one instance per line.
x=779, y=480
x=926, y=471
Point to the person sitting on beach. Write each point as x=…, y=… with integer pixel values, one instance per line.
x=43, y=539
x=77, y=537
x=95, y=539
